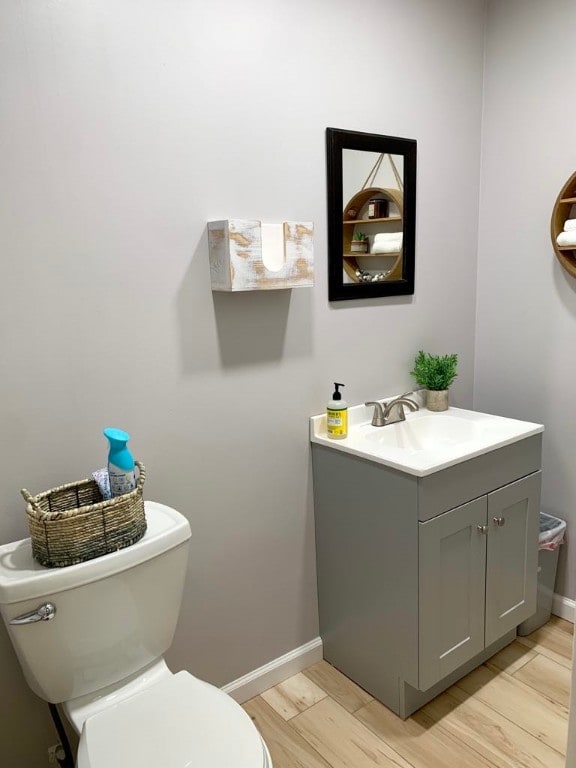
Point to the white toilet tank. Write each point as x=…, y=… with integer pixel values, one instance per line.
x=114, y=614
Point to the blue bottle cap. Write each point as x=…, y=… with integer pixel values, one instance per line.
x=116, y=434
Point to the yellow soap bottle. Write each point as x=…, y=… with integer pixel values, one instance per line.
x=337, y=415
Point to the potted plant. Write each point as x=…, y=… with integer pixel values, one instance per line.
x=359, y=243
x=435, y=373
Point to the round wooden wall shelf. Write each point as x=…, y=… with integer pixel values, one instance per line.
x=358, y=204
x=566, y=254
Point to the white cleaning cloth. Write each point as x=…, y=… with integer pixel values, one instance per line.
x=569, y=225
x=103, y=482
x=567, y=238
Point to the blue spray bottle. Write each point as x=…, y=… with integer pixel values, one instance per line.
x=120, y=462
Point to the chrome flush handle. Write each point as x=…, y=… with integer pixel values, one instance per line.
x=42, y=613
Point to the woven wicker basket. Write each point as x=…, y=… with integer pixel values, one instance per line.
x=71, y=523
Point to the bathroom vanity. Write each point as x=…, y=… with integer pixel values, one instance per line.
x=427, y=546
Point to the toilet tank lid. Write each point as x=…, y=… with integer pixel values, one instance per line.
x=22, y=578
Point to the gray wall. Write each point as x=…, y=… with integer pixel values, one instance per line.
x=525, y=363
x=125, y=127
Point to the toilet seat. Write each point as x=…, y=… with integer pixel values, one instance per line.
x=179, y=722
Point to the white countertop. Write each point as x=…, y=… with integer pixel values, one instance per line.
x=427, y=441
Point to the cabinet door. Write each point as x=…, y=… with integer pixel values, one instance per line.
x=452, y=550
x=512, y=557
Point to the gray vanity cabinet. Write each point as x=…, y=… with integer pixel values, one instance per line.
x=452, y=577
x=512, y=555
x=477, y=576
x=421, y=579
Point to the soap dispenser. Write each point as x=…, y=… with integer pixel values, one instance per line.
x=120, y=462
x=337, y=415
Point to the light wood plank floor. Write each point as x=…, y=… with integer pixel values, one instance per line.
x=511, y=712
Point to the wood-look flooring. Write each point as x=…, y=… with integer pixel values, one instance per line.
x=512, y=712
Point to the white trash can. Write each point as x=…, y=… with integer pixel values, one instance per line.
x=552, y=530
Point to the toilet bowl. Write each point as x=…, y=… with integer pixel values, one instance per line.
x=99, y=651
x=179, y=722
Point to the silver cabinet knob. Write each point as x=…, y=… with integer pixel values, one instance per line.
x=42, y=613
x=499, y=521
x=482, y=528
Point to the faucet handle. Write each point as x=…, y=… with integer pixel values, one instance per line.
x=405, y=396
x=378, y=417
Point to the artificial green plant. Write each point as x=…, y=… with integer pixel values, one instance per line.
x=436, y=372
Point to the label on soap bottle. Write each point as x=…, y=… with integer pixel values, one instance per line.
x=337, y=422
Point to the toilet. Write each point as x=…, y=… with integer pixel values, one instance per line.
x=92, y=637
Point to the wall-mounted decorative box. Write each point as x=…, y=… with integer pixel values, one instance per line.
x=252, y=256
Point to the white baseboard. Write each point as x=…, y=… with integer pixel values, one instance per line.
x=275, y=671
x=563, y=607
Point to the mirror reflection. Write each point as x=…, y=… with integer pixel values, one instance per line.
x=373, y=207
x=371, y=214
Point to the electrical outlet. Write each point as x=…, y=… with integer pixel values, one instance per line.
x=52, y=753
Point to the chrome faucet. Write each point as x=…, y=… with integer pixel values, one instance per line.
x=393, y=411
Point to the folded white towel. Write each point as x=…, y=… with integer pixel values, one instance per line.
x=567, y=238
x=569, y=225
x=387, y=237
x=392, y=246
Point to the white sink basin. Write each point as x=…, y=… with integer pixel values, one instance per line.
x=426, y=442
x=430, y=431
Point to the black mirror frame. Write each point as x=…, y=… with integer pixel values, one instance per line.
x=336, y=141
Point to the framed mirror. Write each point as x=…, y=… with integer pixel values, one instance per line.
x=371, y=214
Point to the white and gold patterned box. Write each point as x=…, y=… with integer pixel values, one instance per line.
x=248, y=255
